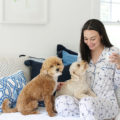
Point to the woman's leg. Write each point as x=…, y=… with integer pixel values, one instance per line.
x=97, y=109
x=67, y=106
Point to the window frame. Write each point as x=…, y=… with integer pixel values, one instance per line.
x=108, y=22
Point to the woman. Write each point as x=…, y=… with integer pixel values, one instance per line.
x=103, y=75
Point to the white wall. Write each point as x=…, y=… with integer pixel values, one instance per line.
x=65, y=19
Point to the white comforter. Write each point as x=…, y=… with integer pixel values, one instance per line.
x=42, y=116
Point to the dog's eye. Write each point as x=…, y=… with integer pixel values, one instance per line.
x=78, y=65
x=74, y=72
x=51, y=66
x=58, y=63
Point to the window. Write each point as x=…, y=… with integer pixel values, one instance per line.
x=110, y=16
x=109, y=11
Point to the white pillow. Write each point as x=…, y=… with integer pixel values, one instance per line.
x=11, y=63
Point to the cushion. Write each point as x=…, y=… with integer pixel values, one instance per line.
x=11, y=86
x=33, y=58
x=68, y=58
x=65, y=74
x=35, y=67
x=60, y=48
x=36, y=59
x=9, y=64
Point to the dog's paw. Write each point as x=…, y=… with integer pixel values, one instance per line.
x=52, y=114
x=30, y=112
x=55, y=111
x=81, y=96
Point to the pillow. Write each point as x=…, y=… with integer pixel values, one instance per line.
x=36, y=59
x=10, y=87
x=33, y=58
x=60, y=48
x=65, y=74
x=35, y=67
x=68, y=58
x=9, y=64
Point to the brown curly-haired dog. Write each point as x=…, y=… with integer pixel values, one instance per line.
x=40, y=88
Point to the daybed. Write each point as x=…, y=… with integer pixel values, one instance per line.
x=11, y=67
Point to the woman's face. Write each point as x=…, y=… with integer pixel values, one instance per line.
x=92, y=39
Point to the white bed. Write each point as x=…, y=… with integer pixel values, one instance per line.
x=42, y=116
x=11, y=64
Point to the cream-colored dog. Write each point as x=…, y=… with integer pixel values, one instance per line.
x=77, y=86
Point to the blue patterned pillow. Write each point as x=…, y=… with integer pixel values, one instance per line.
x=11, y=86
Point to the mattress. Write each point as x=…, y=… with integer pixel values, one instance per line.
x=42, y=116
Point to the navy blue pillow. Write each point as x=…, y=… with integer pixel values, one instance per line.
x=65, y=74
x=60, y=48
x=35, y=67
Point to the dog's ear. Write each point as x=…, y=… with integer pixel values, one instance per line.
x=72, y=72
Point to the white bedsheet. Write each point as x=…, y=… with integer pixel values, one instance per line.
x=42, y=116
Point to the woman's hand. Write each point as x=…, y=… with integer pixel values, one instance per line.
x=115, y=58
x=60, y=84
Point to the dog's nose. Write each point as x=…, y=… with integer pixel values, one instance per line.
x=57, y=69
